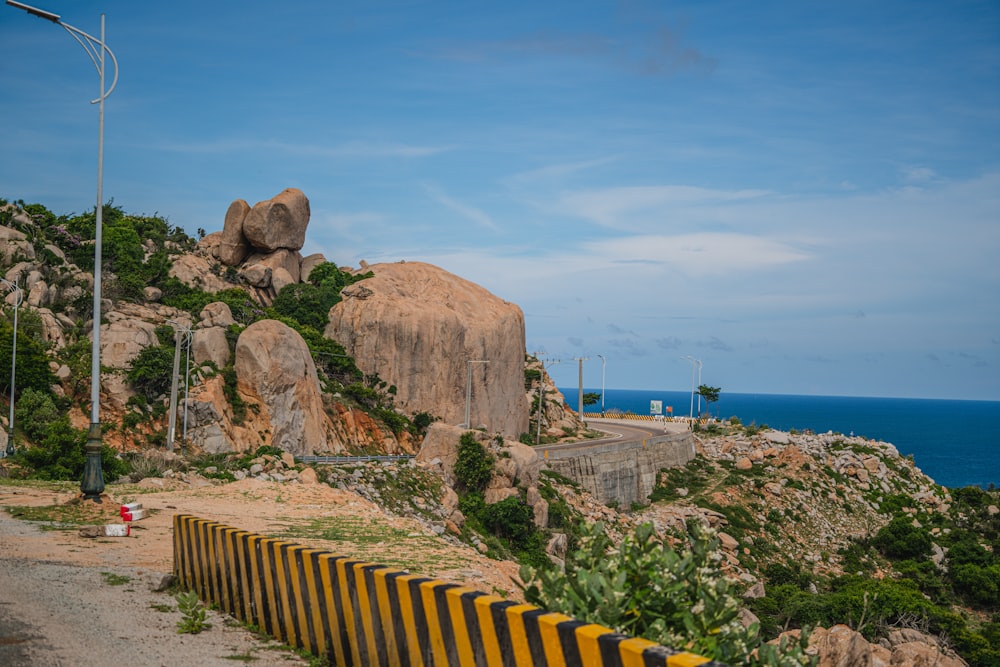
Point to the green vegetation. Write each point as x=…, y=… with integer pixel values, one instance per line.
x=474, y=465
x=642, y=587
x=194, y=615
x=710, y=394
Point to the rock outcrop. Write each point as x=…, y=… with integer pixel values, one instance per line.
x=273, y=364
x=423, y=330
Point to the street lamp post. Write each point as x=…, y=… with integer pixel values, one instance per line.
x=604, y=367
x=18, y=298
x=580, y=361
x=468, y=390
x=92, y=484
x=694, y=363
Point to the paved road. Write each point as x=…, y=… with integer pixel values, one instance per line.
x=618, y=430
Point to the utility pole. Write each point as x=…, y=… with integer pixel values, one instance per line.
x=179, y=329
x=580, y=361
x=541, y=398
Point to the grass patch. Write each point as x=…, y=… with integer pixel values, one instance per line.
x=69, y=516
x=376, y=542
x=112, y=579
x=694, y=476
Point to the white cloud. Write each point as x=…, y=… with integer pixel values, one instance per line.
x=472, y=213
x=355, y=149
x=700, y=255
x=625, y=207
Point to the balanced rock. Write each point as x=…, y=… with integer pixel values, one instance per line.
x=273, y=363
x=233, y=245
x=279, y=222
x=423, y=330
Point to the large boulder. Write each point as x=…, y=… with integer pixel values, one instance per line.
x=14, y=244
x=309, y=263
x=233, y=245
x=279, y=222
x=273, y=365
x=210, y=344
x=281, y=266
x=195, y=271
x=122, y=339
x=418, y=327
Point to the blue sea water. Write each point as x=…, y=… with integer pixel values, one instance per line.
x=956, y=443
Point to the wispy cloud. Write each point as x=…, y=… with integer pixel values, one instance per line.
x=702, y=254
x=351, y=149
x=620, y=207
x=649, y=50
x=472, y=213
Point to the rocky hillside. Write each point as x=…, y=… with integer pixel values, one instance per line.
x=286, y=351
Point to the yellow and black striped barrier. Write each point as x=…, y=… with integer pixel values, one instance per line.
x=358, y=613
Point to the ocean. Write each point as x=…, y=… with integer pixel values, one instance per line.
x=956, y=443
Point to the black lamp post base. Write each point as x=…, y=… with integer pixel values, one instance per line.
x=93, y=477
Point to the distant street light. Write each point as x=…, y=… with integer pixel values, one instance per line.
x=604, y=366
x=92, y=484
x=694, y=363
x=468, y=390
x=18, y=298
x=580, y=361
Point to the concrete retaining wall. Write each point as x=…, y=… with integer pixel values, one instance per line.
x=358, y=613
x=622, y=471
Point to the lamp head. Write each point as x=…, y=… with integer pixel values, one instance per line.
x=40, y=13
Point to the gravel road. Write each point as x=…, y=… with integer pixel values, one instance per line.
x=61, y=615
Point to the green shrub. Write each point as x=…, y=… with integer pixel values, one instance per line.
x=34, y=412
x=510, y=519
x=644, y=588
x=474, y=465
x=901, y=540
x=151, y=372
x=60, y=455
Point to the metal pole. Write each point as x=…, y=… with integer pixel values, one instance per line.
x=18, y=298
x=187, y=367
x=92, y=484
x=693, y=363
x=580, y=360
x=604, y=366
x=699, y=386
x=172, y=416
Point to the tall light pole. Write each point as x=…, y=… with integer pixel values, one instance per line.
x=580, y=361
x=18, y=298
x=694, y=363
x=468, y=390
x=604, y=367
x=92, y=484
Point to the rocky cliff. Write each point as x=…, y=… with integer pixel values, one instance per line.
x=430, y=334
x=415, y=326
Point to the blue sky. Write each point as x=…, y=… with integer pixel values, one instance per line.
x=805, y=196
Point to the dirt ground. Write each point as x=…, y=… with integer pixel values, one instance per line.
x=316, y=515
x=58, y=607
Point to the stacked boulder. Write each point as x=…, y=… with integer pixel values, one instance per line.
x=264, y=241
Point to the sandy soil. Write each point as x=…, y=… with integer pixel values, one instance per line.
x=316, y=515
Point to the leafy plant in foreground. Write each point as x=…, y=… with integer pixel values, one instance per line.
x=195, y=616
x=644, y=588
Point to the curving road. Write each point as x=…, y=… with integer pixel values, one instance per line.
x=618, y=430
